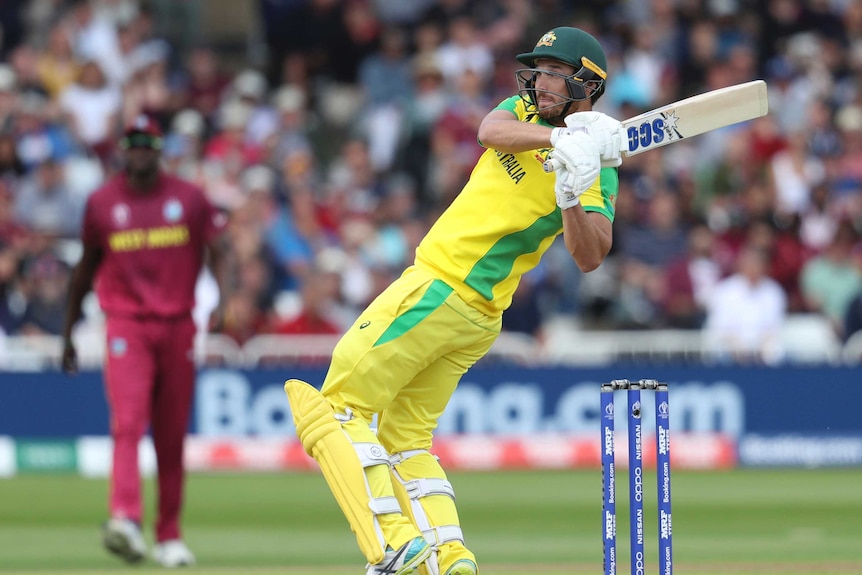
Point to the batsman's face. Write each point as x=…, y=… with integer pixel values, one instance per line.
x=142, y=162
x=552, y=93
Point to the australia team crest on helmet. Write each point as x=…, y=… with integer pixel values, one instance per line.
x=547, y=40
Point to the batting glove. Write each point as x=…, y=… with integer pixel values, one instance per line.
x=577, y=165
x=607, y=132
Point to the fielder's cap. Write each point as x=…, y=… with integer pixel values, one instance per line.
x=570, y=45
x=142, y=132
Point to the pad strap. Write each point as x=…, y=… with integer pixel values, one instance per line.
x=430, y=486
x=443, y=534
x=384, y=505
x=371, y=454
x=397, y=458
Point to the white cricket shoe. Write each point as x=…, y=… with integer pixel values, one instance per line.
x=123, y=537
x=403, y=560
x=173, y=553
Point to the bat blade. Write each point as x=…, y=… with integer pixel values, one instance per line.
x=695, y=115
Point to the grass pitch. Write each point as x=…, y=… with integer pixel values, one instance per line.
x=744, y=521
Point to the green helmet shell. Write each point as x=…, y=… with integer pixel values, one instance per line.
x=569, y=45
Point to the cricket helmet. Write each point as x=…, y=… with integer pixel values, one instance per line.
x=574, y=47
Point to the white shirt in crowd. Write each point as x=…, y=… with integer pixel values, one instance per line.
x=745, y=317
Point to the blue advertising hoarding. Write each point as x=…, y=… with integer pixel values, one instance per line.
x=812, y=401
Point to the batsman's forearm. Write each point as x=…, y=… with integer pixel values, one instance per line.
x=511, y=136
x=587, y=236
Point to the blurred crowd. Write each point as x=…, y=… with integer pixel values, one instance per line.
x=335, y=146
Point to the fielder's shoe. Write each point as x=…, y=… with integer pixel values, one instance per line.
x=123, y=537
x=173, y=553
x=462, y=567
x=404, y=560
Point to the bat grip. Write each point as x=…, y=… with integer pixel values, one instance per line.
x=552, y=165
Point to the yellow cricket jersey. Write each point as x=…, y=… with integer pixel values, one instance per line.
x=502, y=222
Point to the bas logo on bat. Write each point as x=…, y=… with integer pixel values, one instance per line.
x=654, y=131
x=690, y=117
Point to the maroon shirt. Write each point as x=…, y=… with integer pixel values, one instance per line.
x=153, y=245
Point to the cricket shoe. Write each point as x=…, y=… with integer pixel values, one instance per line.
x=173, y=553
x=462, y=567
x=123, y=537
x=403, y=560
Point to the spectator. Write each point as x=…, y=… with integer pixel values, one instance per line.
x=13, y=235
x=39, y=138
x=92, y=107
x=11, y=166
x=243, y=319
x=8, y=95
x=95, y=39
x=249, y=88
x=294, y=124
x=204, y=82
x=831, y=279
x=229, y=144
x=387, y=84
x=690, y=280
x=147, y=90
x=745, y=312
x=184, y=147
x=57, y=66
x=47, y=278
x=853, y=317
x=279, y=229
x=645, y=250
x=12, y=302
x=430, y=101
x=44, y=202
x=319, y=292
x=465, y=49
x=795, y=172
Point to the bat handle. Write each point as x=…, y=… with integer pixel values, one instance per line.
x=552, y=165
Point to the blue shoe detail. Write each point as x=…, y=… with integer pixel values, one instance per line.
x=404, y=560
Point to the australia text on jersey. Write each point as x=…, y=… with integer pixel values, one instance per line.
x=512, y=166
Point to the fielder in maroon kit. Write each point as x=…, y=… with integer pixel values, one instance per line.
x=145, y=237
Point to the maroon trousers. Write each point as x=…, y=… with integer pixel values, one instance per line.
x=149, y=381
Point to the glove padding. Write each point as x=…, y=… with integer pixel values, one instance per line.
x=576, y=159
x=607, y=132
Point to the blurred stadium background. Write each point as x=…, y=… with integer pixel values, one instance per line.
x=333, y=132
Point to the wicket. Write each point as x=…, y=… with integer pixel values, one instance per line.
x=636, y=499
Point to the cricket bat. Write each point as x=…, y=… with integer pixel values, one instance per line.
x=691, y=117
x=695, y=115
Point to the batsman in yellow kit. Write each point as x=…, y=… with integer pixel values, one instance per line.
x=405, y=354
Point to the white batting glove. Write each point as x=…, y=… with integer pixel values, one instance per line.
x=607, y=132
x=558, y=133
x=577, y=163
x=564, y=188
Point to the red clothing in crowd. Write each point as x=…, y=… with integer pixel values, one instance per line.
x=307, y=324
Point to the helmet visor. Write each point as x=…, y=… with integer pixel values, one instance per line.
x=579, y=86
